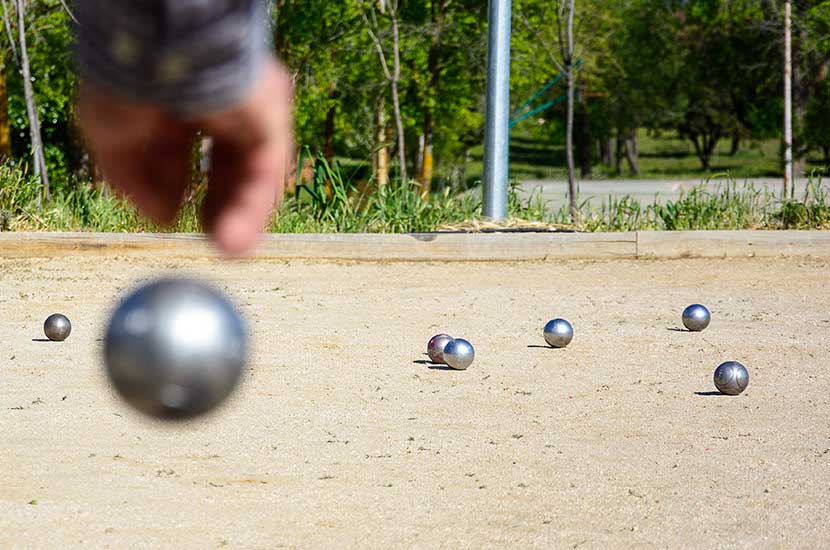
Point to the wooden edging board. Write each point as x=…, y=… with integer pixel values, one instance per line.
x=732, y=244
x=437, y=246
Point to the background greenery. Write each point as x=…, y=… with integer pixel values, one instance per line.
x=669, y=88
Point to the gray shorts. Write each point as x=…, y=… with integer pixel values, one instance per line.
x=188, y=56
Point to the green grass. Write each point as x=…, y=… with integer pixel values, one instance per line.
x=334, y=204
x=537, y=155
x=728, y=206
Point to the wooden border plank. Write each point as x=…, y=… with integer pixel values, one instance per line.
x=436, y=246
x=33, y=245
x=358, y=247
x=732, y=244
x=452, y=246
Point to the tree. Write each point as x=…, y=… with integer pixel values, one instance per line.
x=730, y=50
x=51, y=84
x=393, y=74
x=38, y=157
x=330, y=58
x=566, y=47
x=550, y=26
x=571, y=39
x=709, y=69
x=817, y=121
x=813, y=19
x=641, y=79
x=445, y=57
x=5, y=121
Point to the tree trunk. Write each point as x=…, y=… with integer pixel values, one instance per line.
x=419, y=157
x=396, y=104
x=801, y=89
x=619, y=152
x=698, y=149
x=9, y=28
x=393, y=76
x=279, y=38
x=31, y=106
x=583, y=141
x=705, y=145
x=426, y=162
x=328, y=142
x=569, y=131
x=569, y=149
x=5, y=122
x=381, y=149
x=632, y=152
x=606, y=151
x=205, y=159
x=736, y=145
x=427, y=165
x=703, y=152
x=799, y=167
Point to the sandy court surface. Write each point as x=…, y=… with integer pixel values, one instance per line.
x=342, y=436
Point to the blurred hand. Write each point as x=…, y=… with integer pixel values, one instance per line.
x=145, y=153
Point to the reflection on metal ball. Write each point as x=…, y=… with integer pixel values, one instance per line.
x=731, y=378
x=459, y=354
x=435, y=348
x=57, y=327
x=558, y=333
x=175, y=348
x=696, y=317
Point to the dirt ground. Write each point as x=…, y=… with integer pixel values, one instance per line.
x=343, y=436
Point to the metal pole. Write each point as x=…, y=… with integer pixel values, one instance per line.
x=789, y=181
x=497, y=129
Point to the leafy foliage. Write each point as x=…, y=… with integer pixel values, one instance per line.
x=708, y=69
x=50, y=42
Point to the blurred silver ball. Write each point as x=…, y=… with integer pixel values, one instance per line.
x=57, y=327
x=731, y=378
x=696, y=317
x=175, y=348
x=435, y=348
x=558, y=333
x=459, y=354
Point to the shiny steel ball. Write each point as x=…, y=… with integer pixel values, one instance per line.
x=558, y=333
x=435, y=348
x=57, y=327
x=696, y=317
x=175, y=348
x=459, y=354
x=731, y=378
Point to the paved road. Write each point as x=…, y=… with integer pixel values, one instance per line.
x=646, y=191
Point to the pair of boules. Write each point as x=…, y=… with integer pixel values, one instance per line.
x=456, y=353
